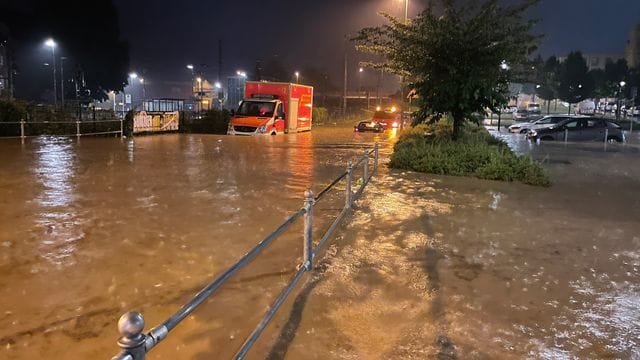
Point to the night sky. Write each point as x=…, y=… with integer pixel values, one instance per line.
x=166, y=35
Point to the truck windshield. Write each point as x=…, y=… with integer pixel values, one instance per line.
x=256, y=108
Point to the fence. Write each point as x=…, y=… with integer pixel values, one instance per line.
x=135, y=344
x=62, y=128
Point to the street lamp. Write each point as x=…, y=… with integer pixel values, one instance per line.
x=619, y=105
x=144, y=91
x=297, y=76
x=190, y=67
x=52, y=44
x=241, y=73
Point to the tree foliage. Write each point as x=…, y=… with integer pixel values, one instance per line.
x=574, y=80
x=456, y=59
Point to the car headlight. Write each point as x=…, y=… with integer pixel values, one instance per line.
x=395, y=124
x=262, y=129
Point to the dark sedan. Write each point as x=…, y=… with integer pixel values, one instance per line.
x=364, y=126
x=580, y=129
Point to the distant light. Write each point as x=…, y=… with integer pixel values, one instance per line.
x=504, y=65
x=141, y=80
x=190, y=67
x=241, y=73
x=46, y=64
x=622, y=83
x=538, y=86
x=50, y=43
x=377, y=108
x=361, y=70
x=199, y=79
x=133, y=75
x=393, y=109
x=297, y=73
x=580, y=86
x=217, y=85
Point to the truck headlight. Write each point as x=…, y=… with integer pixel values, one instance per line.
x=262, y=129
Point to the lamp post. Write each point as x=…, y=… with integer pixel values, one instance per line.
x=144, y=92
x=62, y=59
x=199, y=80
x=622, y=84
x=297, y=77
x=52, y=44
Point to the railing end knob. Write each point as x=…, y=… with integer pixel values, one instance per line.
x=308, y=194
x=131, y=325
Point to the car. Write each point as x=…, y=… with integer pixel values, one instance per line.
x=586, y=107
x=545, y=121
x=580, y=129
x=610, y=107
x=521, y=114
x=389, y=119
x=364, y=126
x=533, y=108
x=635, y=111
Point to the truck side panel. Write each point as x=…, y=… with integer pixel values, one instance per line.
x=304, y=94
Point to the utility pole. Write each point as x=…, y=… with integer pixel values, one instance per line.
x=62, y=59
x=344, y=90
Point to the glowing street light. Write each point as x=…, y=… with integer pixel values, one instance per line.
x=190, y=67
x=218, y=85
x=52, y=44
x=297, y=76
x=622, y=83
x=133, y=75
x=241, y=73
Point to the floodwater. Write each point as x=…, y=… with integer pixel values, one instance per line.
x=93, y=228
x=428, y=267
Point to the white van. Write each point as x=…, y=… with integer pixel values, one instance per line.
x=586, y=107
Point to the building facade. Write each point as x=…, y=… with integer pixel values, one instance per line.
x=633, y=48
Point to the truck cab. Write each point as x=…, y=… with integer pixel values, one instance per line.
x=258, y=116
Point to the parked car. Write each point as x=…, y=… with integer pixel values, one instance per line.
x=364, y=126
x=635, y=111
x=610, y=107
x=580, y=129
x=533, y=108
x=521, y=114
x=544, y=122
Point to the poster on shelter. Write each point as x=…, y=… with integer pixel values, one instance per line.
x=155, y=121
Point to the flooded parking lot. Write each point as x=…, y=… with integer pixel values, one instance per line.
x=430, y=266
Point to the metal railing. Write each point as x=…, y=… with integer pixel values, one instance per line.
x=135, y=344
x=78, y=126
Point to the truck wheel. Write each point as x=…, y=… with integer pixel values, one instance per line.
x=273, y=133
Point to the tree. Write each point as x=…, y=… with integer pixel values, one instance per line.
x=575, y=82
x=548, y=89
x=457, y=60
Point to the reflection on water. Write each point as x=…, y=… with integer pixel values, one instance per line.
x=56, y=218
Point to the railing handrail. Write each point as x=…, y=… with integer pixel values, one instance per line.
x=135, y=344
x=77, y=123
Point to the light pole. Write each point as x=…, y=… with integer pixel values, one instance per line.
x=297, y=77
x=52, y=44
x=622, y=84
x=62, y=59
x=144, y=92
x=199, y=80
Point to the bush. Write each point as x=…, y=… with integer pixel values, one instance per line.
x=428, y=148
x=320, y=115
x=211, y=122
x=12, y=111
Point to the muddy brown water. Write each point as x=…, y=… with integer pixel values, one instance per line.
x=428, y=267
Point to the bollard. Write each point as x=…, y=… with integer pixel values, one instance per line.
x=606, y=135
x=375, y=157
x=365, y=179
x=307, y=259
x=566, y=135
x=347, y=204
x=132, y=341
x=78, y=128
x=22, y=129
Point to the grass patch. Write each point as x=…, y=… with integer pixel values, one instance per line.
x=429, y=149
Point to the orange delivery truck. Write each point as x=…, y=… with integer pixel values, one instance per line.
x=271, y=108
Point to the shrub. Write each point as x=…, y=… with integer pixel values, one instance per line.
x=211, y=122
x=428, y=148
x=320, y=115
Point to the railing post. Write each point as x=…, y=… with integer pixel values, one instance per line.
x=121, y=128
x=375, y=155
x=78, y=128
x=606, y=135
x=366, y=168
x=132, y=341
x=22, y=128
x=566, y=135
x=348, y=194
x=307, y=260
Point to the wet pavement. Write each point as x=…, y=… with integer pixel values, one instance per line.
x=428, y=267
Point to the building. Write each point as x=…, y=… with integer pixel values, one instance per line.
x=235, y=91
x=633, y=48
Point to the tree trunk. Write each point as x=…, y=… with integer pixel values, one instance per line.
x=458, y=122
